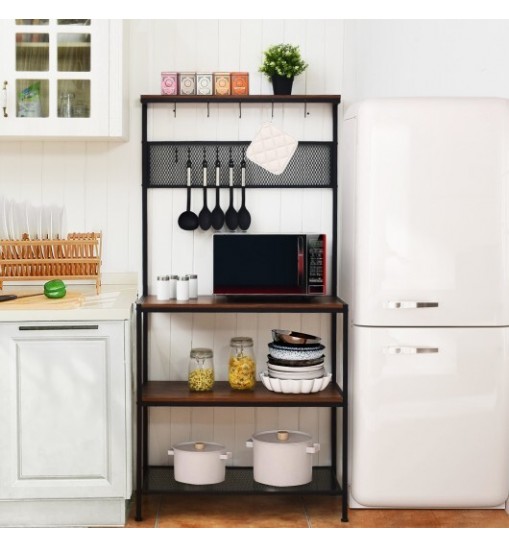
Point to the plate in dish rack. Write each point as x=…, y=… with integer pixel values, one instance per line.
x=293, y=386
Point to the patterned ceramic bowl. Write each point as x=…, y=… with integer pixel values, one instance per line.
x=291, y=352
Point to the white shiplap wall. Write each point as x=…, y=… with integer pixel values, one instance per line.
x=99, y=184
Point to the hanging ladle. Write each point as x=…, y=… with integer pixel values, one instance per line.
x=188, y=220
x=217, y=212
x=230, y=216
x=205, y=217
x=243, y=215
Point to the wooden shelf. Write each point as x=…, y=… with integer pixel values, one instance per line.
x=329, y=99
x=212, y=303
x=177, y=393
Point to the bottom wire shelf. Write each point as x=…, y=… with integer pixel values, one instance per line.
x=160, y=479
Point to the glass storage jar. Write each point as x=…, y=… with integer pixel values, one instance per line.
x=201, y=370
x=242, y=364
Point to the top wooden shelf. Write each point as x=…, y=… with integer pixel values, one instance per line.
x=329, y=99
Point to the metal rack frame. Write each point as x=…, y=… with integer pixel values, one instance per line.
x=171, y=394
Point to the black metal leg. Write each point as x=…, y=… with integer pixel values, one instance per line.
x=344, y=498
x=139, y=414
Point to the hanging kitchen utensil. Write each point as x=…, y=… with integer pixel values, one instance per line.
x=205, y=217
x=231, y=217
x=243, y=215
x=217, y=212
x=188, y=220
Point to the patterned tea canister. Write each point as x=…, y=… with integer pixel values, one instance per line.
x=204, y=83
x=240, y=83
x=169, y=83
x=222, y=83
x=187, y=83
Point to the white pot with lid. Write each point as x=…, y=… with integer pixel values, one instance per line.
x=282, y=458
x=199, y=462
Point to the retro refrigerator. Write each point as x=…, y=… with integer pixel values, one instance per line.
x=425, y=269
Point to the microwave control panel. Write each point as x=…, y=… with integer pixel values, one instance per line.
x=316, y=264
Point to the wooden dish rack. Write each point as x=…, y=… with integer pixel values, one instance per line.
x=77, y=257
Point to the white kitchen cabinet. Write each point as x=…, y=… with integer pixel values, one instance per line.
x=62, y=78
x=65, y=454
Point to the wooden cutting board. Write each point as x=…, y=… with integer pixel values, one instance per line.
x=72, y=299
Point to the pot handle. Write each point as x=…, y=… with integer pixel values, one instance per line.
x=225, y=456
x=171, y=452
x=249, y=443
x=313, y=448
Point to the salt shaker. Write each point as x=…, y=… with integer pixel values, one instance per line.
x=173, y=286
x=163, y=288
x=193, y=286
x=182, y=288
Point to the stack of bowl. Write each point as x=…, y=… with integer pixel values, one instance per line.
x=295, y=356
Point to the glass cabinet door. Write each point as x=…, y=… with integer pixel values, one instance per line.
x=56, y=76
x=46, y=46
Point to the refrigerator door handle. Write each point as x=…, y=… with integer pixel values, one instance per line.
x=410, y=350
x=411, y=304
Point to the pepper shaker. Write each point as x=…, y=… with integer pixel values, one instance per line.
x=173, y=286
x=182, y=288
x=193, y=286
x=163, y=288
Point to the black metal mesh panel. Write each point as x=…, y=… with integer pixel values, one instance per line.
x=160, y=479
x=310, y=166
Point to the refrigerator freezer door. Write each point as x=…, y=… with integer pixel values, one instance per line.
x=429, y=228
x=430, y=411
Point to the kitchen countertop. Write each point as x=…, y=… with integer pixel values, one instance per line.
x=114, y=302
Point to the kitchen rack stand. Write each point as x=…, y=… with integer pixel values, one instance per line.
x=77, y=257
x=159, y=479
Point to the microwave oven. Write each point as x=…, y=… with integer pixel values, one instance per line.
x=269, y=264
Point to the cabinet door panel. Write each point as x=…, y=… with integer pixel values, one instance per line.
x=62, y=411
x=62, y=397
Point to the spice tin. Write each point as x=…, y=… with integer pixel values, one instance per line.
x=222, y=83
x=240, y=83
x=169, y=83
x=187, y=83
x=204, y=83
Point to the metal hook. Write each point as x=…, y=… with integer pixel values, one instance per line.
x=240, y=110
x=174, y=110
x=208, y=110
x=272, y=110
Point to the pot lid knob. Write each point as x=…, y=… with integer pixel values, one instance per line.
x=282, y=435
x=199, y=446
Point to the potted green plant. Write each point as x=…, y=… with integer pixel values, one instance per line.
x=282, y=62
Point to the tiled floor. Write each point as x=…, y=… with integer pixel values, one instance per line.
x=285, y=511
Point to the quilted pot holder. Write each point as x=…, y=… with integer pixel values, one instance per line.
x=272, y=148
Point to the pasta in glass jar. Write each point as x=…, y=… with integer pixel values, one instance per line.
x=201, y=370
x=242, y=365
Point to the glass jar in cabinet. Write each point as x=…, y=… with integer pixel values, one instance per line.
x=201, y=370
x=242, y=364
